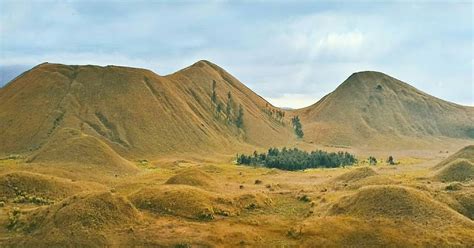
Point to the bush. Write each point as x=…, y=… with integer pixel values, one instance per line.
x=372, y=160
x=390, y=160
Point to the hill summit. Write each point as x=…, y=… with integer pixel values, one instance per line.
x=373, y=108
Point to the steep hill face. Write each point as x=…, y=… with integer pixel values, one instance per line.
x=371, y=108
x=135, y=111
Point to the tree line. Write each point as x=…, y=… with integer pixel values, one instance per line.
x=295, y=159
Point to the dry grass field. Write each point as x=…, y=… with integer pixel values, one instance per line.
x=202, y=204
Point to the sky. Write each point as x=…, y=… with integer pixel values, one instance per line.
x=292, y=53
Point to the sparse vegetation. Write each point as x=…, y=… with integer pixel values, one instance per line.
x=295, y=159
x=13, y=218
x=275, y=114
x=232, y=115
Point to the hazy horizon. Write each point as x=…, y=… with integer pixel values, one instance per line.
x=291, y=58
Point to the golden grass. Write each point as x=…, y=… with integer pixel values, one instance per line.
x=192, y=177
x=356, y=174
x=457, y=170
x=84, y=219
x=15, y=184
x=395, y=202
x=72, y=146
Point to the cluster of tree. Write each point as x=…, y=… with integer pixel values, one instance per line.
x=274, y=113
x=295, y=121
x=295, y=159
x=390, y=161
x=232, y=114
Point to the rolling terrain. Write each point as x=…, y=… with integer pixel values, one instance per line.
x=113, y=156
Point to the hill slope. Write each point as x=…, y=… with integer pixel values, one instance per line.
x=372, y=108
x=135, y=111
x=466, y=153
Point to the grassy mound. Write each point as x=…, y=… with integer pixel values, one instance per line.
x=466, y=200
x=356, y=174
x=458, y=170
x=194, y=203
x=465, y=153
x=192, y=177
x=393, y=202
x=346, y=231
x=31, y=187
x=72, y=146
x=181, y=200
x=373, y=180
x=96, y=210
x=82, y=220
x=251, y=201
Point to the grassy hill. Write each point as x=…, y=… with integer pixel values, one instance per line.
x=373, y=109
x=202, y=109
x=135, y=111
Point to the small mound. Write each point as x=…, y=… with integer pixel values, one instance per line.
x=72, y=146
x=82, y=220
x=27, y=185
x=373, y=180
x=181, y=200
x=466, y=200
x=251, y=201
x=210, y=168
x=394, y=202
x=96, y=210
x=356, y=175
x=459, y=170
x=465, y=153
x=194, y=203
x=192, y=177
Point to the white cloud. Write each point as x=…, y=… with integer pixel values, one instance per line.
x=292, y=100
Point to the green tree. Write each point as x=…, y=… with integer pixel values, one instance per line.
x=228, y=109
x=218, y=109
x=372, y=160
x=213, y=93
x=297, y=126
x=239, y=121
x=390, y=160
